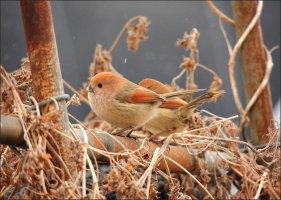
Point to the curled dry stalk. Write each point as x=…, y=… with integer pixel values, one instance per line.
x=189, y=43
x=190, y=63
x=263, y=84
x=220, y=14
x=233, y=52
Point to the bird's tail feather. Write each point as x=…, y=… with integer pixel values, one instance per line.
x=179, y=93
x=210, y=96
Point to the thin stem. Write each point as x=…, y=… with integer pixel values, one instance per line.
x=264, y=82
x=207, y=69
x=76, y=92
x=196, y=180
x=220, y=13
x=121, y=33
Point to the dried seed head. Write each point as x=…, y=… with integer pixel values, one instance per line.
x=101, y=61
x=216, y=84
x=188, y=64
x=75, y=101
x=136, y=33
x=189, y=41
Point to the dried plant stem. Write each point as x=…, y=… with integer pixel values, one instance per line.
x=276, y=196
x=220, y=139
x=94, y=176
x=207, y=69
x=59, y=159
x=264, y=82
x=56, y=105
x=227, y=160
x=18, y=103
x=148, y=171
x=3, y=157
x=76, y=92
x=42, y=182
x=35, y=192
x=121, y=33
x=195, y=179
x=22, y=112
x=77, y=120
x=156, y=156
x=220, y=13
x=177, y=77
x=36, y=105
x=85, y=137
x=50, y=165
x=87, y=160
x=260, y=185
x=212, y=114
x=4, y=190
x=229, y=47
x=211, y=142
x=273, y=192
x=168, y=170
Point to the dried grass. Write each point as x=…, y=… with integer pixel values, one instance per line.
x=223, y=161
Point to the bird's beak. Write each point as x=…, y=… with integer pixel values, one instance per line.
x=90, y=89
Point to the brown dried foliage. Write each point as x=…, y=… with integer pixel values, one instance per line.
x=137, y=33
x=39, y=173
x=21, y=79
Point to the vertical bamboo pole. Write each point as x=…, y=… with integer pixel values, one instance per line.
x=253, y=69
x=45, y=66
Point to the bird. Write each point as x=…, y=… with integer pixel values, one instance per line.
x=123, y=103
x=173, y=115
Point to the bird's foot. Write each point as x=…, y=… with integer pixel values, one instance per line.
x=119, y=132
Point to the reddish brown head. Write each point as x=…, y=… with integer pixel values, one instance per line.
x=106, y=83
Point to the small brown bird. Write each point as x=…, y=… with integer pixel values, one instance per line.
x=173, y=115
x=123, y=103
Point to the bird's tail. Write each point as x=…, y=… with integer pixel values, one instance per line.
x=210, y=96
x=179, y=93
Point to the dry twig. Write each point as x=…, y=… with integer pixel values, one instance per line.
x=220, y=13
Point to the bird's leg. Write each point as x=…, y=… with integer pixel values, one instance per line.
x=155, y=136
x=159, y=142
x=164, y=139
x=152, y=137
x=119, y=132
x=129, y=133
x=133, y=129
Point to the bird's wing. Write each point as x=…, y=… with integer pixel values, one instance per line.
x=142, y=95
x=155, y=86
x=173, y=103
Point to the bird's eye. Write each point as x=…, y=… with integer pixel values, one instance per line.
x=100, y=85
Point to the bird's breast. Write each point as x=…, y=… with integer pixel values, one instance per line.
x=122, y=114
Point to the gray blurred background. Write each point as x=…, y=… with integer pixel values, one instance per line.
x=80, y=26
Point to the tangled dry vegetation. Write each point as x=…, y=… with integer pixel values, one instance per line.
x=224, y=167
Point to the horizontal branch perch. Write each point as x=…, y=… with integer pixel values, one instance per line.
x=12, y=134
x=11, y=131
